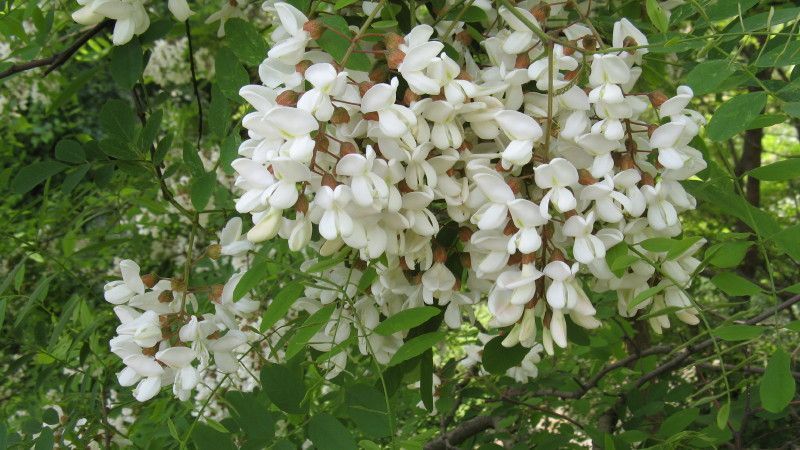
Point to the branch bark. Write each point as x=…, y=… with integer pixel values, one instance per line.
x=55, y=61
x=462, y=432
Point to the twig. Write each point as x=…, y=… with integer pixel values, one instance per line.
x=193, y=70
x=55, y=61
x=464, y=431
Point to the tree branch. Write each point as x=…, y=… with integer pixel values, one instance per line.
x=462, y=432
x=55, y=61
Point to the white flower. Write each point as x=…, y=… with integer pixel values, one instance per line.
x=230, y=238
x=180, y=9
x=223, y=349
x=367, y=186
x=523, y=131
x=121, y=291
x=180, y=360
x=394, y=120
x=419, y=54
x=327, y=83
x=587, y=247
x=556, y=176
x=335, y=220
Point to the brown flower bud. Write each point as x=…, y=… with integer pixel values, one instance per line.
x=556, y=255
x=301, y=205
x=466, y=260
x=569, y=51
x=657, y=98
x=585, y=178
x=541, y=12
x=214, y=335
x=287, y=98
x=150, y=280
x=522, y=61
x=403, y=187
x=165, y=297
x=548, y=316
x=214, y=251
x=464, y=37
x=178, y=285
x=302, y=66
x=589, y=42
x=409, y=97
x=321, y=143
x=403, y=264
x=215, y=292
x=463, y=75
x=393, y=41
x=373, y=116
x=515, y=184
x=626, y=162
x=630, y=146
x=364, y=86
x=340, y=116
x=328, y=180
x=379, y=74
x=499, y=167
x=514, y=259
x=630, y=42
x=439, y=254
x=314, y=28
x=569, y=76
x=464, y=234
x=510, y=228
x=347, y=148
x=360, y=265
x=150, y=351
x=570, y=213
x=647, y=180
x=528, y=258
x=394, y=58
x=651, y=129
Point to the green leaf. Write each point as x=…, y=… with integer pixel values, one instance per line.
x=426, y=379
x=792, y=326
x=792, y=109
x=646, y=294
x=117, y=148
x=733, y=116
x=258, y=272
x=737, y=332
x=150, y=130
x=415, y=347
x=787, y=54
x=281, y=304
x=191, y=157
x=336, y=44
x=472, y=14
x=777, y=386
x=765, y=120
x=46, y=440
x=406, y=319
x=38, y=294
x=313, y=323
x=201, y=190
x=126, y=64
x=343, y=3
x=34, y=174
x=498, y=359
x=118, y=120
x=677, y=422
x=50, y=416
x=245, y=41
x=734, y=285
x=219, y=114
x=657, y=15
x=707, y=76
x=723, y=414
x=367, y=408
x=251, y=412
x=783, y=170
x=284, y=387
x=70, y=151
x=3, y=304
x=726, y=255
x=231, y=76
x=327, y=433
x=207, y=437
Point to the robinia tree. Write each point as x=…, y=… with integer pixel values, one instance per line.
x=343, y=224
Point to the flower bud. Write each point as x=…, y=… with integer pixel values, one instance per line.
x=328, y=180
x=302, y=66
x=569, y=51
x=527, y=329
x=528, y=258
x=287, y=98
x=150, y=351
x=466, y=260
x=512, y=339
x=464, y=37
x=166, y=296
x=510, y=228
x=589, y=42
x=214, y=251
x=267, y=228
x=464, y=234
x=569, y=76
x=314, y=28
x=372, y=116
x=347, y=148
x=409, y=97
x=395, y=58
x=364, y=86
x=439, y=254
x=379, y=74
x=150, y=280
x=626, y=162
x=215, y=293
x=179, y=285
x=393, y=41
x=301, y=205
x=657, y=98
x=585, y=178
x=340, y=116
x=515, y=184
x=541, y=12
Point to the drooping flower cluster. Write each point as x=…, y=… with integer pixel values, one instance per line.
x=160, y=343
x=499, y=177
x=131, y=18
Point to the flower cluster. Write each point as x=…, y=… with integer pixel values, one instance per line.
x=162, y=344
x=131, y=18
x=503, y=174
